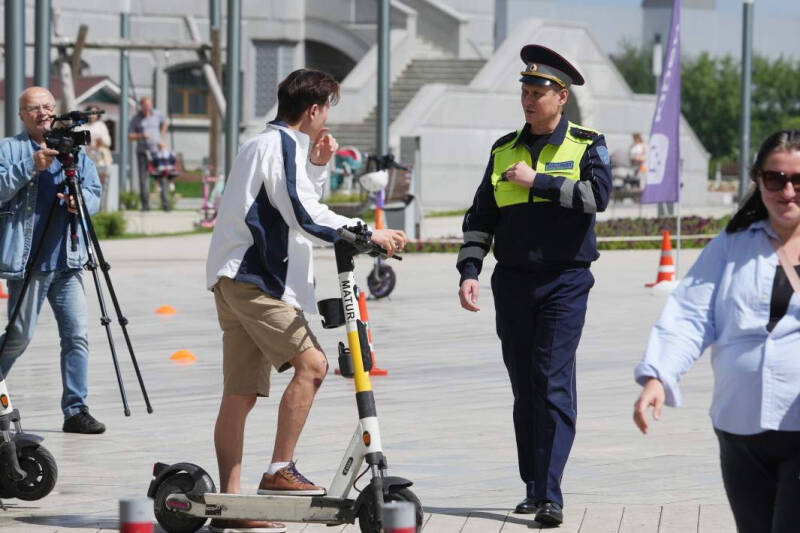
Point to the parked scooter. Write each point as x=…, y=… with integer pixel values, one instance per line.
x=28, y=470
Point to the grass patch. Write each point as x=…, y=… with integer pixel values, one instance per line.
x=149, y=235
x=451, y=213
x=189, y=189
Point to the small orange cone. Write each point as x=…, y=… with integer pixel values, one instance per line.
x=3, y=294
x=166, y=310
x=184, y=357
x=362, y=309
x=666, y=267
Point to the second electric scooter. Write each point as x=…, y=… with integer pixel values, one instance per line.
x=184, y=495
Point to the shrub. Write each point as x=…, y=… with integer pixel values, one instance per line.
x=129, y=200
x=108, y=224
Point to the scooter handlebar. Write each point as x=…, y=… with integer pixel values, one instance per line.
x=358, y=238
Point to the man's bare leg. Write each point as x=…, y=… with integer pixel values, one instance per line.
x=229, y=439
x=310, y=368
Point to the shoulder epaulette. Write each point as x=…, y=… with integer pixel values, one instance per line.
x=504, y=139
x=581, y=133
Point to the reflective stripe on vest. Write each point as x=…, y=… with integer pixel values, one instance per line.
x=563, y=160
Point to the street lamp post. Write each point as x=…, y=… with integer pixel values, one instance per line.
x=747, y=77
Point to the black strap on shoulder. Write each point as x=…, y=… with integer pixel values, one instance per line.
x=581, y=133
x=504, y=139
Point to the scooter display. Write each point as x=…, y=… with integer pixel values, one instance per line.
x=28, y=470
x=184, y=495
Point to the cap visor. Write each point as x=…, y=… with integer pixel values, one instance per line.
x=536, y=80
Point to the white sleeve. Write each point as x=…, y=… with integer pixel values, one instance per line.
x=317, y=174
x=294, y=195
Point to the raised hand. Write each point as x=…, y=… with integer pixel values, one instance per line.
x=324, y=147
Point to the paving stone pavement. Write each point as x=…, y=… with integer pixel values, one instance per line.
x=444, y=408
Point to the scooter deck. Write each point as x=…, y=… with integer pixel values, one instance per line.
x=321, y=509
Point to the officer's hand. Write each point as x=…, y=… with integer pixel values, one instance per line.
x=652, y=394
x=391, y=240
x=521, y=174
x=71, y=207
x=324, y=147
x=468, y=294
x=43, y=157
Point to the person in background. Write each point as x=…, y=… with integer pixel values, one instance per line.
x=741, y=298
x=148, y=127
x=638, y=158
x=163, y=172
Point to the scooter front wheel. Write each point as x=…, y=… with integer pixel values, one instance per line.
x=368, y=513
x=175, y=521
x=381, y=281
x=41, y=474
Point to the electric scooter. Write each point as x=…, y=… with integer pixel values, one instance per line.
x=184, y=495
x=27, y=469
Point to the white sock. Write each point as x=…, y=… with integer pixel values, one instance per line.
x=274, y=467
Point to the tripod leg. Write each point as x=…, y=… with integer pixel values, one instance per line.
x=91, y=265
x=105, y=267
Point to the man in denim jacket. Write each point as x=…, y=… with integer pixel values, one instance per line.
x=31, y=181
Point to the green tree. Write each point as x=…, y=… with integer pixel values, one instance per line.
x=710, y=99
x=634, y=64
x=710, y=94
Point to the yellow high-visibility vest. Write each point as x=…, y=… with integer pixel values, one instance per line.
x=557, y=160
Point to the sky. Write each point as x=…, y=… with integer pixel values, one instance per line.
x=772, y=7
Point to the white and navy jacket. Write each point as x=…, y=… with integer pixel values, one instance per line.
x=269, y=214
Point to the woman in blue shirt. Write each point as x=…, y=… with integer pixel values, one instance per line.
x=738, y=300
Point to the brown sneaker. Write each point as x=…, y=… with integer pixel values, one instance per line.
x=288, y=481
x=219, y=525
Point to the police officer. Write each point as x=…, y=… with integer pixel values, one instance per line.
x=537, y=202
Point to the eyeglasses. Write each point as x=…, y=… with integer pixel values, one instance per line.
x=47, y=108
x=776, y=181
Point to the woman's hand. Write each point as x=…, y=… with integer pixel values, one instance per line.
x=652, y=395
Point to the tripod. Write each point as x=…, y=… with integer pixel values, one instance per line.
x=79, y=221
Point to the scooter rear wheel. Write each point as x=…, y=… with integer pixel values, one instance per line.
x=173, y=521
x=381, y=281
x=42, y=472
x=368, y=513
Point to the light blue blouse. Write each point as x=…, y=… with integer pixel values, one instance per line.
x=724, y=302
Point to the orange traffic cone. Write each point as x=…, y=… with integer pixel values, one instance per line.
x=666, y=267
x=3, y=294
x=362, y=309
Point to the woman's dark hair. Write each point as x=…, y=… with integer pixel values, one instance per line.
x=303, y=88
x=753, y=208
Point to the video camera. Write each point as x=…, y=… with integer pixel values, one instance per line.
x=64, y=139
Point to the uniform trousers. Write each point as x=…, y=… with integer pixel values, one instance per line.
x=540, y=316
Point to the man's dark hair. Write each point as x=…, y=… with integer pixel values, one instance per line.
x=303, y=88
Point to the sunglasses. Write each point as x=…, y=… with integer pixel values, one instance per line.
x=776, y=181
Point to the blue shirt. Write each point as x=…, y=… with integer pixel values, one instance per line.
x=53, y=255
x=724, y=303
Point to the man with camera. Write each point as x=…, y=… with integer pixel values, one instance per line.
x=34, y=242
x=260, y=267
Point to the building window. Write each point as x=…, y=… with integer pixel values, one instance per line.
x=274, y=61
x=188, y=93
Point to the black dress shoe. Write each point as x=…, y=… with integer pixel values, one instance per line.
x=526, y=506
x=549, y=514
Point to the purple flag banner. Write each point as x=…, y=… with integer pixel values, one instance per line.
x=662, y=183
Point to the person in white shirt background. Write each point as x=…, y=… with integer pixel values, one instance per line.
x=739, y=299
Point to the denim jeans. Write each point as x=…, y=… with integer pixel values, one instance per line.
x=64, y=291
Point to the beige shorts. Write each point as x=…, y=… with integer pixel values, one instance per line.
x=258, y=332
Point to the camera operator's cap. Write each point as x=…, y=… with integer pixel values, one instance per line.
x=546, y=67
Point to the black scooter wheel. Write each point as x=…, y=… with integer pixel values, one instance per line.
x=368, y=512
x=42, y=472
x=173, y=521
x=381, y=281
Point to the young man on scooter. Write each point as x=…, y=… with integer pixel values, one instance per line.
x=261, y=272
